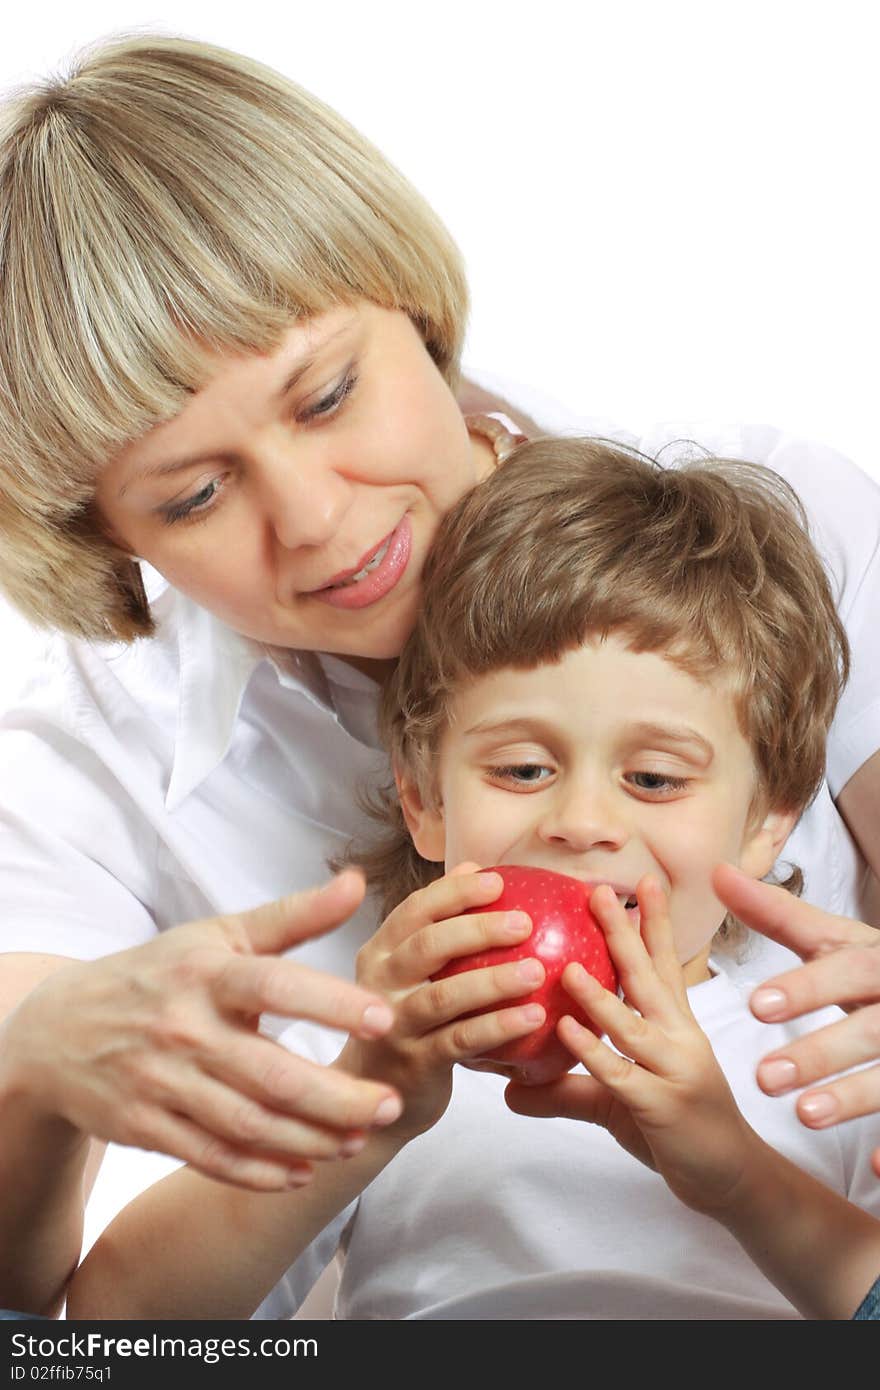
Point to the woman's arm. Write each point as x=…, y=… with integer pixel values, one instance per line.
x=47, y=1167
x=157, y=1047
x=859, y=805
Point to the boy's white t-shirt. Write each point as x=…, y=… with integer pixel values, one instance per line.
x=195, y=773
x=497, y=1216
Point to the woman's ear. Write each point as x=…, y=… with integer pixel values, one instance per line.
x=764, y=844
x=425, y=825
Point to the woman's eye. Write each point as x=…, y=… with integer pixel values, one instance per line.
x=201, y=501
x=329, y=404
x=658, y=782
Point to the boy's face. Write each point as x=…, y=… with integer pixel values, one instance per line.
x=606, y=766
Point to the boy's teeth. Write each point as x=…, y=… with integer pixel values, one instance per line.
x=367, y=569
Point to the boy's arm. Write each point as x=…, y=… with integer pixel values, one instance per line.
x=190, y=1247
x=818, y=1249
x=664, y=1098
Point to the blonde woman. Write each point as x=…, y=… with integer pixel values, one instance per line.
x=229, y=366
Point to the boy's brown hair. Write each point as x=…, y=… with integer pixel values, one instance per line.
x=709, y=563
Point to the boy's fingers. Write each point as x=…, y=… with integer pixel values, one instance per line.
x=474, y=1037
x=428, y=950
x=572, y=1098
x=440, y=1001
x=639, y=981
x=656, y=930
x=446, y=897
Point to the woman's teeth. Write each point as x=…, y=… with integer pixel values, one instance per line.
x=367, y=569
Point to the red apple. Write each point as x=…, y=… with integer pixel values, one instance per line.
x=563, y=929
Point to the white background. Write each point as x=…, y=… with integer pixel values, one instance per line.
x=668, y=210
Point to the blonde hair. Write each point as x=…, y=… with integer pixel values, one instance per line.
x=165, y=201
x=709, y=563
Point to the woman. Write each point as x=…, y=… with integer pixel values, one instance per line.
x=230, y=351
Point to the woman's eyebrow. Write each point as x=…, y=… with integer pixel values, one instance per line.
x=308, y=361
x=305, y=364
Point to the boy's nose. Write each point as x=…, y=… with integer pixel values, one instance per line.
x=584, y=820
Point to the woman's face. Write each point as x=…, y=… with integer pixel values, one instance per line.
x=288, y=473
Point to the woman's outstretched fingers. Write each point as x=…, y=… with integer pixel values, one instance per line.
x=275, y=926
x=252, y=985
x=848, y=977
x=777, y=914
x=843, y=1099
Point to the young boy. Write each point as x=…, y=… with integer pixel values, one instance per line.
x=633, y=720
x=625, y=674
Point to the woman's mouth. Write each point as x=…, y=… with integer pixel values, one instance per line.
x=377, y=576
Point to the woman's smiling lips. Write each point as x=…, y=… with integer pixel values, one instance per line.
x=345, y=592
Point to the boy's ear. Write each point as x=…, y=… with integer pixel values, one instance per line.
x=426, y=827
x=763, y=845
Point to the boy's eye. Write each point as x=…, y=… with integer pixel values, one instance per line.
x=657, y=782
x=526, y=774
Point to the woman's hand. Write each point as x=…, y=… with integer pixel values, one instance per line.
x=842, y=966
x=432, y=1029
x=662, y=1094
x=158, y=1047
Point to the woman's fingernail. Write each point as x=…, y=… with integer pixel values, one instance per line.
x=768, y=1003
x=376, y=1020
x=817, y=1109
x=778, y=1075
x=533, y=1013
x=388, y=1110
x=488, y=881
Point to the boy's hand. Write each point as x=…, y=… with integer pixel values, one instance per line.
x=665, y=1100
x=432, y=1029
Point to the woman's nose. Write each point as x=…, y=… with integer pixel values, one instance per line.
x=584, y=818
x=304, y=501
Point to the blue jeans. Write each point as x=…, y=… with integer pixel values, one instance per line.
x=869, y=1308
